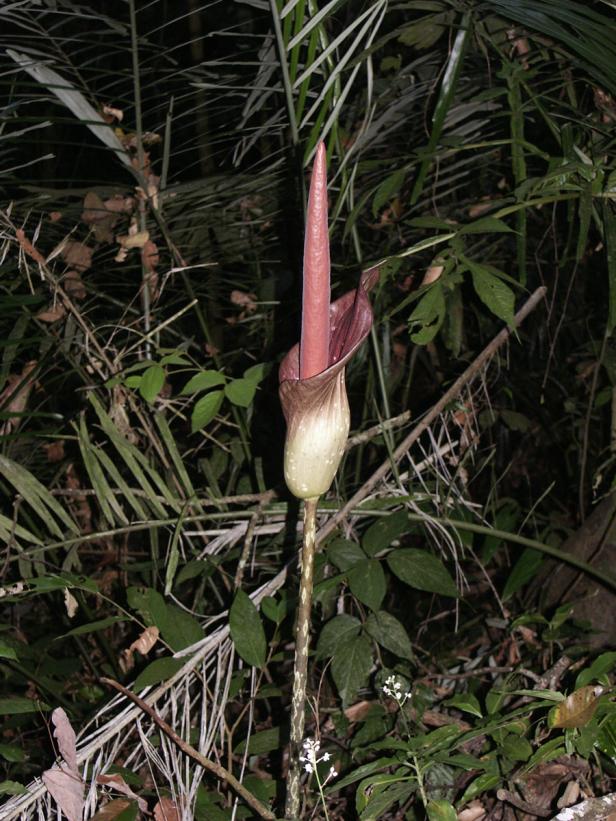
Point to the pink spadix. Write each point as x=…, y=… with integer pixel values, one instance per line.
x=312, y=386
x=314, y=345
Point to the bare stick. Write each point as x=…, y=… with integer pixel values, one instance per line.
x=209, y=766
x=474, y=368
x=300, y=669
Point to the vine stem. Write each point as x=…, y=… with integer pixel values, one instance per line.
x=300, y=669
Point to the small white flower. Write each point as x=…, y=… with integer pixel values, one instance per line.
x=393, y=689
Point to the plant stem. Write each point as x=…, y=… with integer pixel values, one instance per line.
x=300, y=670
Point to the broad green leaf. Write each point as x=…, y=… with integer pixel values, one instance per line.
x=380, y=801
x=160, y=670
x=19, y=705
x=7, y=651
x=257, y=373
x=259, y=743
x=241, y=391
x=428, y=315
x=441, y=810
x=203, y=381
x=12, y=788
x=180, y=629
x=384, y=531
x=12, y=753
x=205, y=410
x=337, y=631
x=94, y=626
x=523, y=571
x=483, y=783
x=486, y=225
x=493, y=292
x=606, y=737
x=367, y=582
x=351, y=666
x=422, y=570
x=389, y=633
x=466, y=702
x=152, y=382
x=516, y=748
x=247, y=630
x=344, y=553
x=598, y=670
x=577, y=709
x=365, y=770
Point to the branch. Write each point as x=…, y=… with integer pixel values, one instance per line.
x=472, y=370
x=209, y=766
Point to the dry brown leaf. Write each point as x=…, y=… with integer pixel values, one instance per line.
x=477, y=210
x=110, y=114
x=473, y=812
x=55, y=450
x=28, y=248
x=54, y=216
x=73, y=285
x=142, y=645
x=78, y=255
x=16, y=391
x=116, y=781
x=244, y=300
x=64, y=782
x=119, y=204
x=432, y=274
x=166, y=810
x=134, y=239
x=53, y=313
x=112, y=810
x=578, y=708
x=70, y=602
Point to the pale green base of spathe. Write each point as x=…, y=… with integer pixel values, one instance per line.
x=313, y=451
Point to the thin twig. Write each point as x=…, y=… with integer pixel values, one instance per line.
x=377, y=430
x=300, y=669
x=209, y=766
x=474, y=368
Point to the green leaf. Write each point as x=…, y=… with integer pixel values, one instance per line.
x=466, y=702
x=389, y=633
x=257, y=373
x=152, y=382
x=157, y=671
x=247, y=630
x=441, y=810
x=202, y=382
x=493, y=292
x=344, y=553
x=19, y=705
x=428, y=316
x=384, y=531
x=381, y=800
x=337, y=631
x=486, y=225
x=351, y=667
x=259, y=743
x=94, y=626
x=241, y=392
x=205, y=410
x=598, y=670
x=422, y=570
x=180, y=629
x=483, y=783
x=7, y=651
x=523, y=571
x=12, y=753
x=367, y=582
x=516, y=748
x=12, y=788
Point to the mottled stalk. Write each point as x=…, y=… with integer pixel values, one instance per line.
x=300, y=670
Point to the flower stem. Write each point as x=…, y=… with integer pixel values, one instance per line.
x=300, y=671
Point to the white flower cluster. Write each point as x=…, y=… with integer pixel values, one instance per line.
x=311, y=758
x=393, y=689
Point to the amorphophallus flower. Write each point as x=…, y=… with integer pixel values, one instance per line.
x=312, y=375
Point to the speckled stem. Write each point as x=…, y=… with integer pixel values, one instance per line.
x=300, y=670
